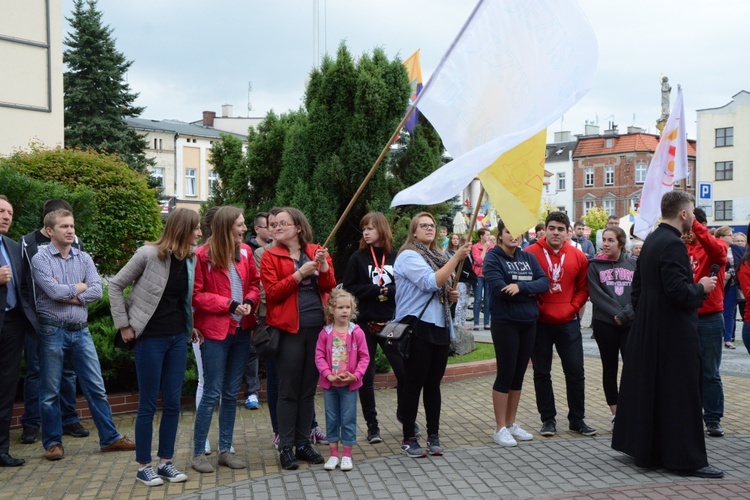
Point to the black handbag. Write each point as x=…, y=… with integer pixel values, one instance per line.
x=265, y=340
x=397, y=335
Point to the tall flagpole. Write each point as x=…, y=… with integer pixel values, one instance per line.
x=471, y=230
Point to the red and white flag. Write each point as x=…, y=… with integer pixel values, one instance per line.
x=668, y=166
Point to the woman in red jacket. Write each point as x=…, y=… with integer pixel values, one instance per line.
x=297, y=276
x=224, y=296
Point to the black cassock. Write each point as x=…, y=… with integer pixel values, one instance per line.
x=659, y=411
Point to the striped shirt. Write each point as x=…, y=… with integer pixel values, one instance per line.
x=56, y=277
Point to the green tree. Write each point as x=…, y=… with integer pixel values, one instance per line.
x=97, y=96
x=230, y=164
x=125, y=212
x=596, y=219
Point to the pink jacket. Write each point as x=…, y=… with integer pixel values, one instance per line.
x=356, y=353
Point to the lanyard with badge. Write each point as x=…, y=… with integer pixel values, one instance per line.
x=555, y=272
x=380, y=270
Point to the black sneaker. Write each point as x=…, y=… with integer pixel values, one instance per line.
x=584, y=429
x=548, y=428
x=373, y=436
x=411, y=448
x=308, y=454
x=76, y=430
x=714, y=429
x=286, y=457
x=29, y=435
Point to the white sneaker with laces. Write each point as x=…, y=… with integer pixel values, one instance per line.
x=519, y=434
x=331, y=463
x=503, y=437
x=346, y=463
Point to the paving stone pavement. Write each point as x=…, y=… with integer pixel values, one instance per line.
x=564, y=466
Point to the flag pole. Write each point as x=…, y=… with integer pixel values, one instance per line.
x=471, y=230
x=361, y=188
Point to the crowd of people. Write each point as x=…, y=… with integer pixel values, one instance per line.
x=202, y=283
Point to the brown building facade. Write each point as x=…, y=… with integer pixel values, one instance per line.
x=609, y=171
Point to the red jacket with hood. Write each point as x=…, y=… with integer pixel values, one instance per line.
x=705, y=251
x=559, y=306
x=282, y=290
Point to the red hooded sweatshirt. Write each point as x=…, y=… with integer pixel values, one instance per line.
x=705, y=251
x=569, y=288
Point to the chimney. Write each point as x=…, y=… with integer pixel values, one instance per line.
x=208, y=118
x=591, y=129
x=635, y=130
x=612, y=130
x=563, y=136
x=226, y=110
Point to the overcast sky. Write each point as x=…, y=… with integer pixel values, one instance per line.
x=192, y=55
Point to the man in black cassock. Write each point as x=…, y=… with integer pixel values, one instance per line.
x=659, y=412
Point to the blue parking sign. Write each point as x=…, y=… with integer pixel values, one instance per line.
x=705, y=190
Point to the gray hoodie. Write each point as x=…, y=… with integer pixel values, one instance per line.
x=609, y=288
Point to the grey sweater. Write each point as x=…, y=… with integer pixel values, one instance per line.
x=609, y=288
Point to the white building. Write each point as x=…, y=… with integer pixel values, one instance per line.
x=183, y=157
x=558, y=161
x=227, y=122
x=31, y=78
x=724, y=162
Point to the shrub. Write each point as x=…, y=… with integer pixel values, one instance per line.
x=124, y=209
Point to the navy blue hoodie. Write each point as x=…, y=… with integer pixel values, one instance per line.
x=500, y=270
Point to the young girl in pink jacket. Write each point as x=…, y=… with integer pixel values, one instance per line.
x=342, y=358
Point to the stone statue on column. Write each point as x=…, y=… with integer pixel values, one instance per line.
x=666, y=90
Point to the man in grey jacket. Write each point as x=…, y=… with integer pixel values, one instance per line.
x=580, y=238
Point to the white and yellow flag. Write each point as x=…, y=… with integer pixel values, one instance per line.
x=515, y=67
x=668, y=166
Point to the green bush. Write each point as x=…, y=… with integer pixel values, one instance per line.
x=28, y=196
x=381, y=362
x=124, y=210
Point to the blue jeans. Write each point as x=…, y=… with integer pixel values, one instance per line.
x=223, y=366
x=341, y=415
x=482, y=292
x=746, y=335
x=31, y=417
x=711, y=335
x=730, y=310
x=54, y=345
x=566, y=339
x=160, y=363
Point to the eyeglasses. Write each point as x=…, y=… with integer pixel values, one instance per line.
x=426, y=225
x=281, y=224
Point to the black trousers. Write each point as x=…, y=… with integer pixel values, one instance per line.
x=513, y=345
x=367, y=391
x=423, y=372
x=611, y=340
x=11, y=345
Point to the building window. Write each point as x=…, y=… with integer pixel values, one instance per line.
x=609, y=206
x=561, y=181
x=562, y=209
x=213, y=182
x=158, y=173
x=190, y=180
x=689, y=178
x=609, y=143
x=609, y=175
x=587, y=205
x=588, y=179
x=640, y=173
x=724, y=170
x=723, y=210
x=156, y=143
x=724, y=137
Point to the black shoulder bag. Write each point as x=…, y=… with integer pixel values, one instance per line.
x=397, y=335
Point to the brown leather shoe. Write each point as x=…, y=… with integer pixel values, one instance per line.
x=55, y=452
x=122, y=444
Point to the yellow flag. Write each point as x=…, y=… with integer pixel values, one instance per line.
x=514, y=183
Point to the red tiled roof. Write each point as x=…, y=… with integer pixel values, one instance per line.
x=626, y=143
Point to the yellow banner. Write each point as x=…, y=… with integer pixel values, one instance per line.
x=514, y=183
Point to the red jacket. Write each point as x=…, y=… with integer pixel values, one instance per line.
x=743, y=276
x=478, y=260
x=705, y=251
x=559, y=307
x=282, y=297
x=212, y=294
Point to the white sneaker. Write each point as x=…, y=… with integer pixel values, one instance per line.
x=207, y=448
x=331, y=463
x=346, y=463
x=504, y=438
x=519, y=434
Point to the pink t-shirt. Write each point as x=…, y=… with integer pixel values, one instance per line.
x=339, y=360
